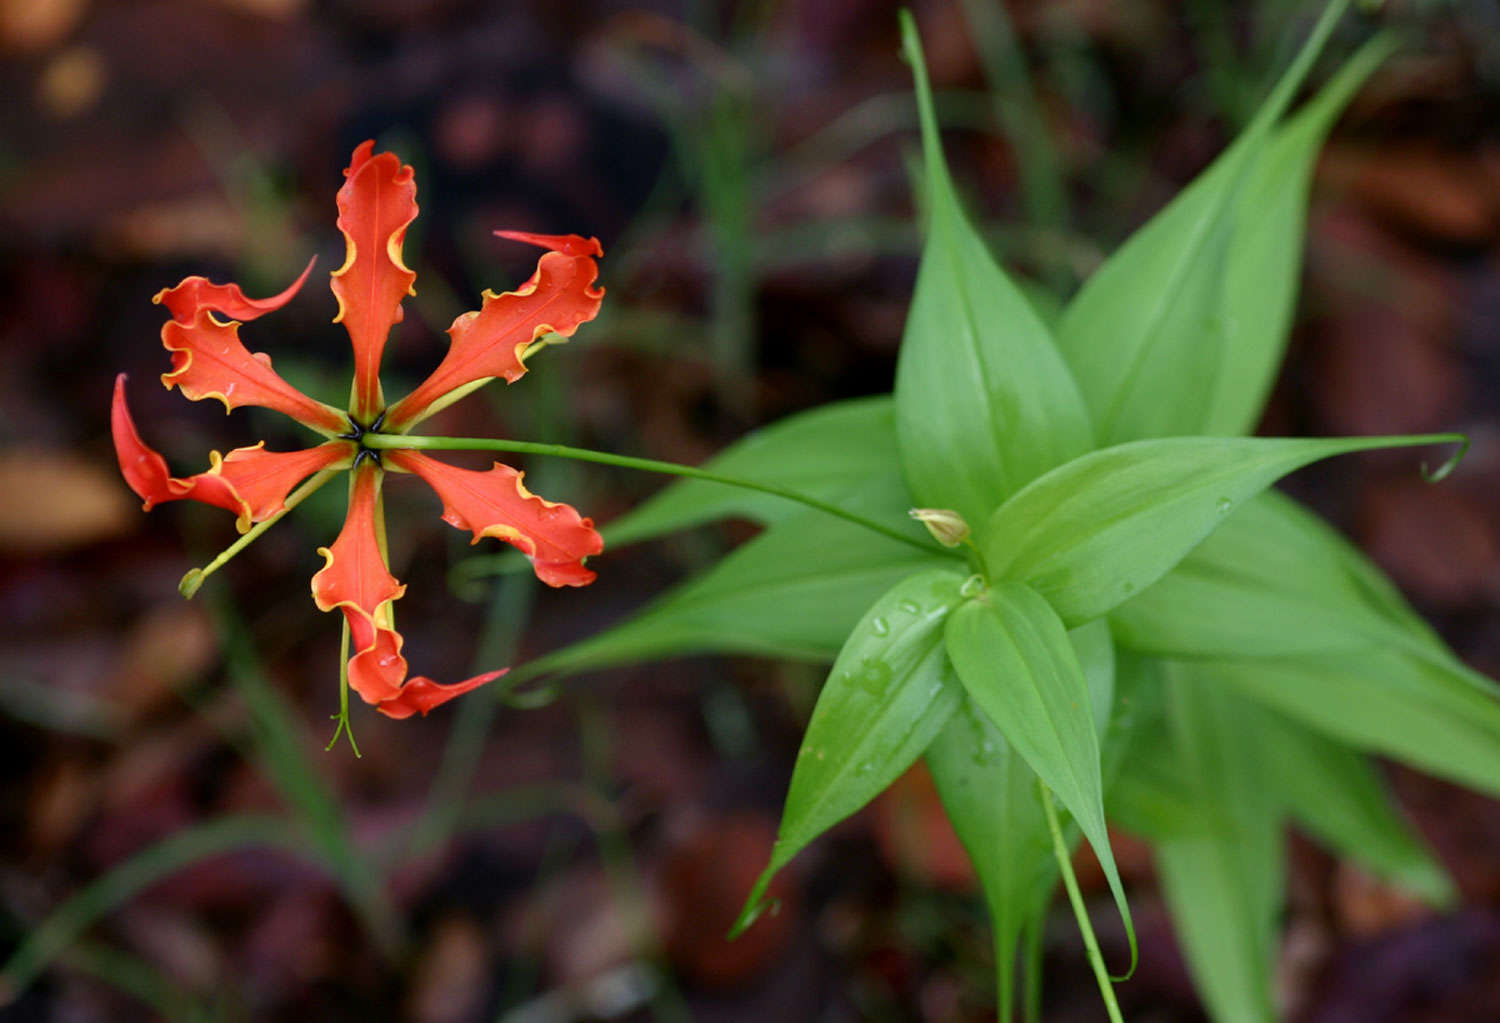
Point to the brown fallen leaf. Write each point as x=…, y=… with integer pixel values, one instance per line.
x=56, y=501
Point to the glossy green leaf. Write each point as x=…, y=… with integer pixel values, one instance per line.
x=890, y=692
x=824, y=453
x=990, y=796
x=1223, y=882
x=794, y=591
x=1148, y=335
x=1426, y=709
x=1264, y=264
x=1273, y=580
x=1338, y=797
x=1013, y=655
x=984, y=402
x=1102, y=528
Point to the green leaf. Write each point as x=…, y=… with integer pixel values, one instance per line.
x=824, y=453
x=1264, y=264
x=984, y=401
x=1425, y=709
x=1148, y=336
x=1273, y=580
x=1224, y=881
x=1014, y=658
x=990, y=796
x=1102, y=528
x=889, y=693
x=794, y=591
x=1338, y=797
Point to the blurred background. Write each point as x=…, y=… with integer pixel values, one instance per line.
x=748, y=169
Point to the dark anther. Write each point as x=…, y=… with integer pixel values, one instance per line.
x=362, y=454
x=357, y=430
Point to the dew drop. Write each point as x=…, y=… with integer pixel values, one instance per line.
x=880, y=627
x=1224, y=506
x=1127, y=587
x=868, y=767
x=910, y=607
x=972, y=587
x=874, y=676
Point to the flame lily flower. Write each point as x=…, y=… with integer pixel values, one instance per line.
x=376, y=205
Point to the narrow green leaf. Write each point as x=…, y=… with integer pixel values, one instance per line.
x=984, y=401
x=1224, y=881
x=1154, y=797
x=72, y=918
x=990, y=796
x=1338, y=796
x=1147, y=336
x=1013, y=655
x=889, y=693
x=1102, y=528
x=794, y=591
x=823, y=453
x=1264, y=264
x=1425, y=709
x=1273, y=580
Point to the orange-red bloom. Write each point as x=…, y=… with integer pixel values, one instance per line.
x=376, y=205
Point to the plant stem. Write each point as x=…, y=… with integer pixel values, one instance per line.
x=1065, y=862
x=195, y=576
x=342, y=717
x=375, y=440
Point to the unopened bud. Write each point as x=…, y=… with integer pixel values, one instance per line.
x=946, y=525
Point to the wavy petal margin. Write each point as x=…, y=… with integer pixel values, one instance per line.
x=354, y=578
x=376, y=204
x=490, y=342
x=195, y=293
x=495, y=502
x=210, y=361
x=251, y=482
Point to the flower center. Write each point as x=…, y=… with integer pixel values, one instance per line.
x=358, y=432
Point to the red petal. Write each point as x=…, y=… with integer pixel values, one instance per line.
x=376, y=204
x=354, y=578
x=263, y=479
x=496, y=503
x=490, y=341
x=251, y=482
x=422, y=694
x=195, y=293
x=567, y=244
x=210, y=361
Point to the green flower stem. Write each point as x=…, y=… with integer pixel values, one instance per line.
x=342, y=717
x=195, y=576
x=1065, y=862
x=379, y=441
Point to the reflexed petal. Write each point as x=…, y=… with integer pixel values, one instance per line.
x=195, y=293
x=377, y=202
x=490, y=342
x=421, y=694
x=210, y=361
x=354, y=578
x=251, y=482
x=567, y=244
x=496, y=503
